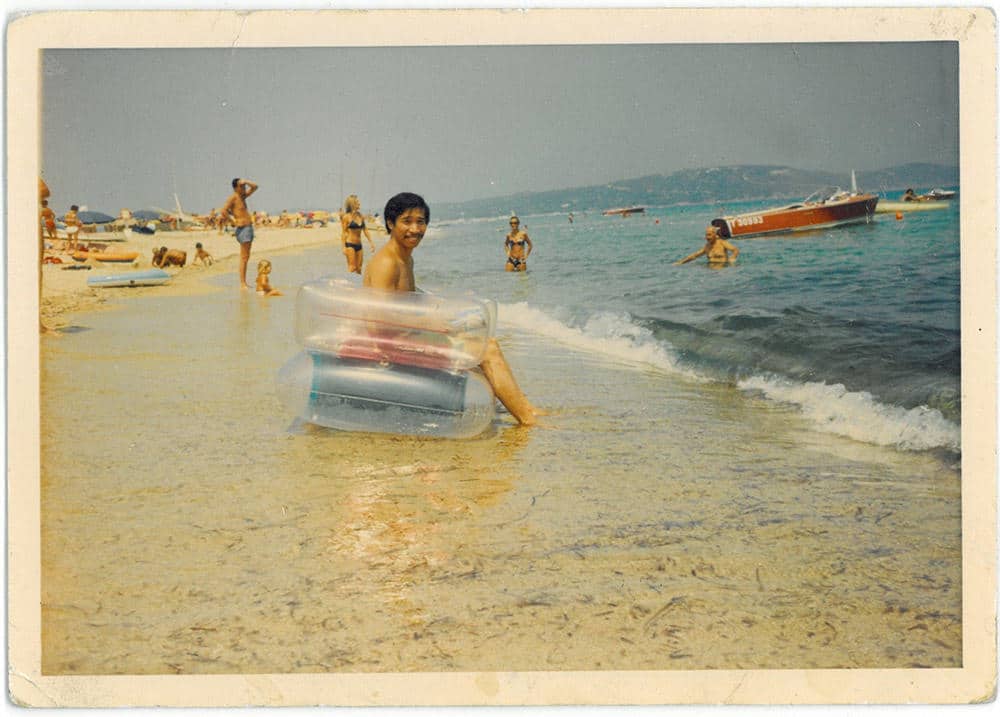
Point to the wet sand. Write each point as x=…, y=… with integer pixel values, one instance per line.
x=189, y=526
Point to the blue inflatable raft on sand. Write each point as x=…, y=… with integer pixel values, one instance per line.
x=149, y=277
x=389, y=362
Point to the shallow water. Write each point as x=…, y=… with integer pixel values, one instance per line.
x=660, y=520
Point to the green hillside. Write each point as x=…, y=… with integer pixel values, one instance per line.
x=698, y=186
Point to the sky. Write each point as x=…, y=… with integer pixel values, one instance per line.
x=130, y=127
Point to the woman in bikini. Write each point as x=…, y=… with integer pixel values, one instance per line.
x=352, y=223
x=518, y=247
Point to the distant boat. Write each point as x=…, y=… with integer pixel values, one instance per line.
x=623, y=211
x=888, y=207
x=828, y=207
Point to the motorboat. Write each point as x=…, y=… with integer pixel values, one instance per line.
x=623, y=211
x=827, y=207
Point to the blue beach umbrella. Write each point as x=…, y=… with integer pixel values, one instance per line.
x=146, y=214
x=94, y=217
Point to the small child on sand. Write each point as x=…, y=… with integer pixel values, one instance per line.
x=201, y=255
x=264, y=287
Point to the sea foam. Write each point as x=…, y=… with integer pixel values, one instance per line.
x=858, y=415
x=613, y=335
x=832, y=408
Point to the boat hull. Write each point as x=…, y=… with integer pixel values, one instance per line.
x=623, y=212
x=798, y=217
x=890, y=207
x=150, y=277
x=120, y=258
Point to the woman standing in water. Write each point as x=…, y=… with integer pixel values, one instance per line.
x=352, y=223
x=518, y=247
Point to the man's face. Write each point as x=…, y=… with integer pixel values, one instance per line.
x=409, y=228
x=711, y=234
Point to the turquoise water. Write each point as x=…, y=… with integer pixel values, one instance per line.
x=857, y=326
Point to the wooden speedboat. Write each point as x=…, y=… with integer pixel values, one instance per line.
x=623, y=211
x=826, y=208
x=114, y=257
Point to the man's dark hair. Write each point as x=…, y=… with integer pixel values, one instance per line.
x=402, y=202
x=236, y=181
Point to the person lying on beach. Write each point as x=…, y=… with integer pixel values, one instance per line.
x=264, y=287
x=518, y=247
x=201, y=255
x=235, y=211
x=352, y=224
x=164, y=257
x=406, y=217
x=716, y=249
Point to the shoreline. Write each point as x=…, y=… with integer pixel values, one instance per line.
x=66, y=293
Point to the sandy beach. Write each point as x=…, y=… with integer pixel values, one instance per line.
x=190, y=526
x=65, y=291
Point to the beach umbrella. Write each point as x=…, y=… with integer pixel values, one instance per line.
x=146, y=214
x=94, y=217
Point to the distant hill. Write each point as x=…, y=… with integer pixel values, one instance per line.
x=699, y=186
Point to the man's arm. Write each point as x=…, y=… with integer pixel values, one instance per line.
x=227, y=208
x=251, y=187
x=733, y=248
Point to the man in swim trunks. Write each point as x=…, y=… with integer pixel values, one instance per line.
x=406, y=218
x=235, y=211
x=716, y=249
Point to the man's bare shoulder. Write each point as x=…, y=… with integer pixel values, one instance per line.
x=383, y=271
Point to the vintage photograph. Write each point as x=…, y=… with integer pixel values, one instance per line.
x=391, y=355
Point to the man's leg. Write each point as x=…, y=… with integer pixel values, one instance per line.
x=498, y=373
x=244, y=260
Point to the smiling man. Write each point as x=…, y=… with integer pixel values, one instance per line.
x=406, y=218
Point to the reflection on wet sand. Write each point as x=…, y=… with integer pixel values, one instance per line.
x=405, y=524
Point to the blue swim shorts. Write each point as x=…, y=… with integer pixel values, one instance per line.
x=244, y=235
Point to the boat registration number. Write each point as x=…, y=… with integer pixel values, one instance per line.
x=749, y=221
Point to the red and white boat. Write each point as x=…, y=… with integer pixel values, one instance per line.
x=829, y=207
x=623, y=211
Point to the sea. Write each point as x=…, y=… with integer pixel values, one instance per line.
x=751, y=467
x=857, y=326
